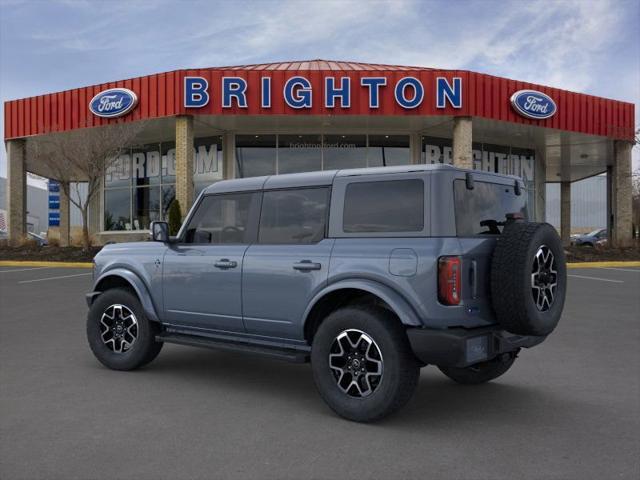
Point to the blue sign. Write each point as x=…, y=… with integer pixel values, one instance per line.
x=54, y=187
x=114, y=102
x=54, y=219
x=54, y=203
x=533, y=104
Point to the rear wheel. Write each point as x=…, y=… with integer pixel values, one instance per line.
x=119, y=334
x=362, y=363
x=481, y=372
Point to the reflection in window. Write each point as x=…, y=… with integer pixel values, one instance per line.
x=344, y=151
x=146, y=207
x=388, y=150
x=384, y=206
x=117, y=204
x=481, y=210
x=294, y=216
x=299, y=153
x=255, y=155
x=221, y=219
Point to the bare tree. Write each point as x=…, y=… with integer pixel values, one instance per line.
x=82, y=156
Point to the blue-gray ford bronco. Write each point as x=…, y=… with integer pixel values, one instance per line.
x=369, y=274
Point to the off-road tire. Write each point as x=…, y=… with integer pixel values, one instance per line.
x=512, y=265
x=142, y=351
x=481, y=372
x=400, y=368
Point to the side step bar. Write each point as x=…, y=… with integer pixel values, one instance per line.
x=279, y=353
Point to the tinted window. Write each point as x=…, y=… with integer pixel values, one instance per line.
x=221, y=219
x=481, y=210
x=389, y=206
x=293, y=216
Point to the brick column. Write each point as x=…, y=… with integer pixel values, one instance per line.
x=462, y=142
x=565, y=213
x=621, y=188
x=184, y=162
x=16, y=191
x=65, y=216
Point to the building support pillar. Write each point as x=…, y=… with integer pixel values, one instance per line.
x=462, y=142
x=621, y=233
x=565, y=213
x=228, y=156
x=16, y=191
x=65, y=215
x=184, y=162
x=415, y=143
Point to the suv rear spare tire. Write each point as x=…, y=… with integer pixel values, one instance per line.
x=528, y=278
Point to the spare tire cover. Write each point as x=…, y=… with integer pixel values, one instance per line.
x=528, y=278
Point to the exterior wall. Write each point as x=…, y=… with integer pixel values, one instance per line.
x=162, y=95
x=184, y=163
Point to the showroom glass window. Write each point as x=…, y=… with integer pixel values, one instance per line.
x=255, y=155
x=388, y=150
x=140, y=184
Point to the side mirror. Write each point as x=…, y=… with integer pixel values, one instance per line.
x=160, y=232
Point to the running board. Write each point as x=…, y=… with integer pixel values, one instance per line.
x=286, y=354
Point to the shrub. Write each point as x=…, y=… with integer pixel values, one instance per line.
x=175, y=217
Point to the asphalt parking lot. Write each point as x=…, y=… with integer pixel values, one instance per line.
x=568, y=409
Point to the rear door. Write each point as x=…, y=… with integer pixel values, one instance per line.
x=202, y=274
x=289, y=263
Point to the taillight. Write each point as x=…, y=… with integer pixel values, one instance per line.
x=449, y=286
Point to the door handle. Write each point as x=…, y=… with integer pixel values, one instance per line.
x=225, y=263
x=306, y=265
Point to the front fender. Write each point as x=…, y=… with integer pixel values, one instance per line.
x=137, y=284
x=398, y=304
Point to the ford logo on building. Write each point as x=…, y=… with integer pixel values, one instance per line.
x=114, y=102
x=533, y=104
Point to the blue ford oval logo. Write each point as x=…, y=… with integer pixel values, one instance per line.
x=533, y=104
x=114, y=102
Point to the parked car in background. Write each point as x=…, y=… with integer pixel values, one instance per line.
x=39, y=239
x=597, y=237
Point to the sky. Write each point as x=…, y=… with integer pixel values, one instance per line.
x=589, y=46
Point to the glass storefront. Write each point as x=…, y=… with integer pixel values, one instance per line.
x=140, y=184
x=276, y=154
x=490, y=158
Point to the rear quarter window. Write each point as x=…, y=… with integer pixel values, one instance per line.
x=481, y=211
x=384, y=206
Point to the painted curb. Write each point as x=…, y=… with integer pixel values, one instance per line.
x=29, y=263
x=603, y=264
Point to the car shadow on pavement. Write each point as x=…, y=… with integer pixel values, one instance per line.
x=438, y=402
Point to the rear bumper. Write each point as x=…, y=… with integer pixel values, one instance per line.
x=459, y=347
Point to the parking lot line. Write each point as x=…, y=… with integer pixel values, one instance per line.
x=596, y=278
x=55, y=278
x=23, y=269
x=636, y=270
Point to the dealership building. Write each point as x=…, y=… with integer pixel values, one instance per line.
x=199, y=126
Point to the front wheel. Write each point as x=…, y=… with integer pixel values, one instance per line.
x=119, y=333
x=480, y=372
x=362, y=363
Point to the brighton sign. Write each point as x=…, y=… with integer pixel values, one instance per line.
x=297, y=92
x=533, y=104
x=113, y=103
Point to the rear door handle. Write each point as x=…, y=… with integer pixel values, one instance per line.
x=306, y=265
x=225, y=263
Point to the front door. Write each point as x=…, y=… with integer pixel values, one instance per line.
x=202, y=275
x=288, y=264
